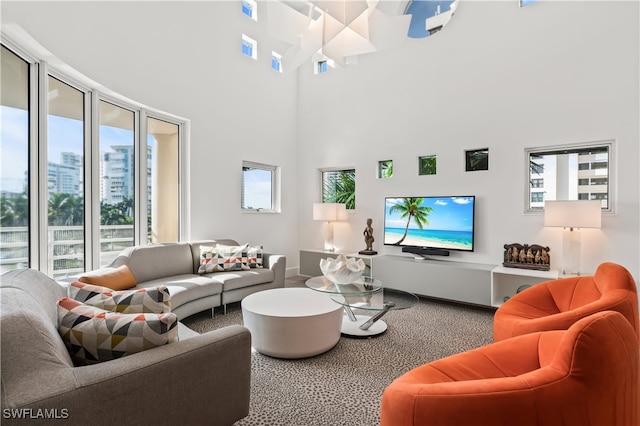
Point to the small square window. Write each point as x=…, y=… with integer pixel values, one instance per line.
x=526, y=2
x=385, y=169
x=276, y=61
x=250, y=8
x=427, y=165
x=339, y=186
x=249, y=47
x=477, y=159
x=323, y=66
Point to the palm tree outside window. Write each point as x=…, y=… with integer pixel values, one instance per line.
x=339, y=186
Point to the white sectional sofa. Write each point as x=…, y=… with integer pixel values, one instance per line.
x=176, y=266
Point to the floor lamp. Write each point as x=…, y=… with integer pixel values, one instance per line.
x=329, y=212
x=572, y=215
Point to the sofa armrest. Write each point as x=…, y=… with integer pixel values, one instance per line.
x=201, y=380
x=278, y=264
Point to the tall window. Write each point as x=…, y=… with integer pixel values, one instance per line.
x=59, y=214
x=14, y=162
x=65, y=178
x=339, y=186
x=117, y=180
x=260, y=190
x=163, y=181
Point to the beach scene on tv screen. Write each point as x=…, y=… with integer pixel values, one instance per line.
x=447, y=222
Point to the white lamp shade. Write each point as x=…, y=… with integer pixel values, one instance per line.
x=573, y=214
x=329, y=211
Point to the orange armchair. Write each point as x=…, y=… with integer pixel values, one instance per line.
x=586, y=375
x=557, y=304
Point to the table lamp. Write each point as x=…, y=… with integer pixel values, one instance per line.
x=329, y=212
x=572, y=215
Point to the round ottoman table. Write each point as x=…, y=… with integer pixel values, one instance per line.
x=292, y=322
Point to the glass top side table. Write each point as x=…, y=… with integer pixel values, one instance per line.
x=363, y=285
x=380, y=302
x=367, y=294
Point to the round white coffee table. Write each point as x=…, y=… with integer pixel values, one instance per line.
x=292, y=322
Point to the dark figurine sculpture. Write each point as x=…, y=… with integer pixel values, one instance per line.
x=368, y=239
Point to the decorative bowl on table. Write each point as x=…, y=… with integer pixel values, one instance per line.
x=342, y=270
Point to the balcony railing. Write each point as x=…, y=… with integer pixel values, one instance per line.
x=65, y=247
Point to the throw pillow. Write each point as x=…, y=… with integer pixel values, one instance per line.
x=220, y=259
x=93, y=335
x=119, y=278
x=155, y=300
x=254, y=254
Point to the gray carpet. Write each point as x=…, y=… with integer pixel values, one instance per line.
x=344, y=386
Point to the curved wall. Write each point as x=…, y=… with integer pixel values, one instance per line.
x=184, y=58
x=497, y=76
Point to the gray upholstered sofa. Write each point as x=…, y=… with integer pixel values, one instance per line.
x=201, y=379
x=176, y=266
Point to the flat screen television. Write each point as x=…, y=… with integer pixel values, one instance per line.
x=430, y=225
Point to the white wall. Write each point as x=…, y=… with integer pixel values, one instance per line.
x=184, y=58
x=497, y=76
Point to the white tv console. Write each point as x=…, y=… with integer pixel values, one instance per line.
x=442, y=279
x=473, y=283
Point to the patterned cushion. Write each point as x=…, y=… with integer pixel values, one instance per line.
x=255, y=256
x=224, y=258
x=156, y=300
x=119, y=278
x=94, y=335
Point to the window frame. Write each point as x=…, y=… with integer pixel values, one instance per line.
x=253, y=9
x=275, y=187
x=40, y=71
x=254, y=47
x=385, y=169
x=336, y=169
x=276, y=58
x=609, y=144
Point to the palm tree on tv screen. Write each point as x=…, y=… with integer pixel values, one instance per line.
x=411, y=209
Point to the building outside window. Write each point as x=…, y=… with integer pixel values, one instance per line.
x=537, y=197
x=576, y=172
x=90, y=213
